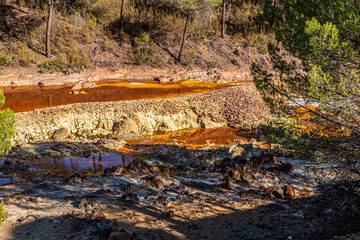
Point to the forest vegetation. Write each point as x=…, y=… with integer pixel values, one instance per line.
x=110, y=33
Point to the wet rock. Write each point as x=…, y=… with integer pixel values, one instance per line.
x=155, y=180
x=226, y=184
x=141, y=166
x=289, y=192
x=75, y=179
x=104, y=192
x=60, y=134
x=130, y=197
x=120, y=236
x=107, y=172
x=114, y=170
x=15, y=168
x=59, y=146
x=118, y=169
x=128, y=188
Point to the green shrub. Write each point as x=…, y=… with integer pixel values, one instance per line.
x=2, y=215
x=144, y=38
x=144, y=55
x=5, y=60
x=49, y=66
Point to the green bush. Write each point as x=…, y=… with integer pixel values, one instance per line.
x=144, y=38
x=5, y=60
x=2, y=215
x=144, y=55
x=49, y=66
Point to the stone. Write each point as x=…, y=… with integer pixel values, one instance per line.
x=118, y=169
x=155, y=180
x=60, y=134
x=263, y=160
x=83, y=84
x=238, y=151
x=170, y=214
x=141, y=166
x=286, y=168
x=226, y=184
x=289, y=192
x=74, y=179
x=119, y=236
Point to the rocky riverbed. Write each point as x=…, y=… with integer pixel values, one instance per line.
x=238, y=191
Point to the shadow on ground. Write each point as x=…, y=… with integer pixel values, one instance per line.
x=335, y=212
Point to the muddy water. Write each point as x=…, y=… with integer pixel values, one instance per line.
x=26, y=98
x=96, y=163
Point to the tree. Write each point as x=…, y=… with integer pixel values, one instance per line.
x=122, y=14
x=7, y=123
x=223, y=18
x=51, y=4
x=323, y=66
x=192, y=9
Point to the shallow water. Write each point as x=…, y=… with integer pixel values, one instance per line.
x=96, y=163
x=27, y=98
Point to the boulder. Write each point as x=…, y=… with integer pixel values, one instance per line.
x=289, y=192
x=155, y=180
x=60, y=134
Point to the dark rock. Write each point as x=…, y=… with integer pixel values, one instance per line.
x=155, y=180
x=141, y=166
x=104, y=192
x=272, y=193
x=120, y=236
x=170, y=214
x=286, y=168
x=130, y=197
x=59, y=146
x=107, y=172
x=128, y=188
x=226, y=184
x=289, y=192
x=74, y=179
x=8, y=162
x=118, y=169
x=263, y=160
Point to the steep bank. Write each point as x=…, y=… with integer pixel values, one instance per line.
x=238, y=105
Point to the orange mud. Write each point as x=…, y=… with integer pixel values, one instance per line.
x=194, y=138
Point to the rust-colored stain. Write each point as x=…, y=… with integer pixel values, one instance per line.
x=27, y=98
x=194, y=138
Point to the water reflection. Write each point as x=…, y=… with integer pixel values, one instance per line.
x=92, y=164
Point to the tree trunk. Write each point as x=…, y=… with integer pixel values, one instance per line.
x=223, y=19
x=184, y=36
x=122, y=14
x=48, y=28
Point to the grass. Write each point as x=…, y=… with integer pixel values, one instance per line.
x=2, y=215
